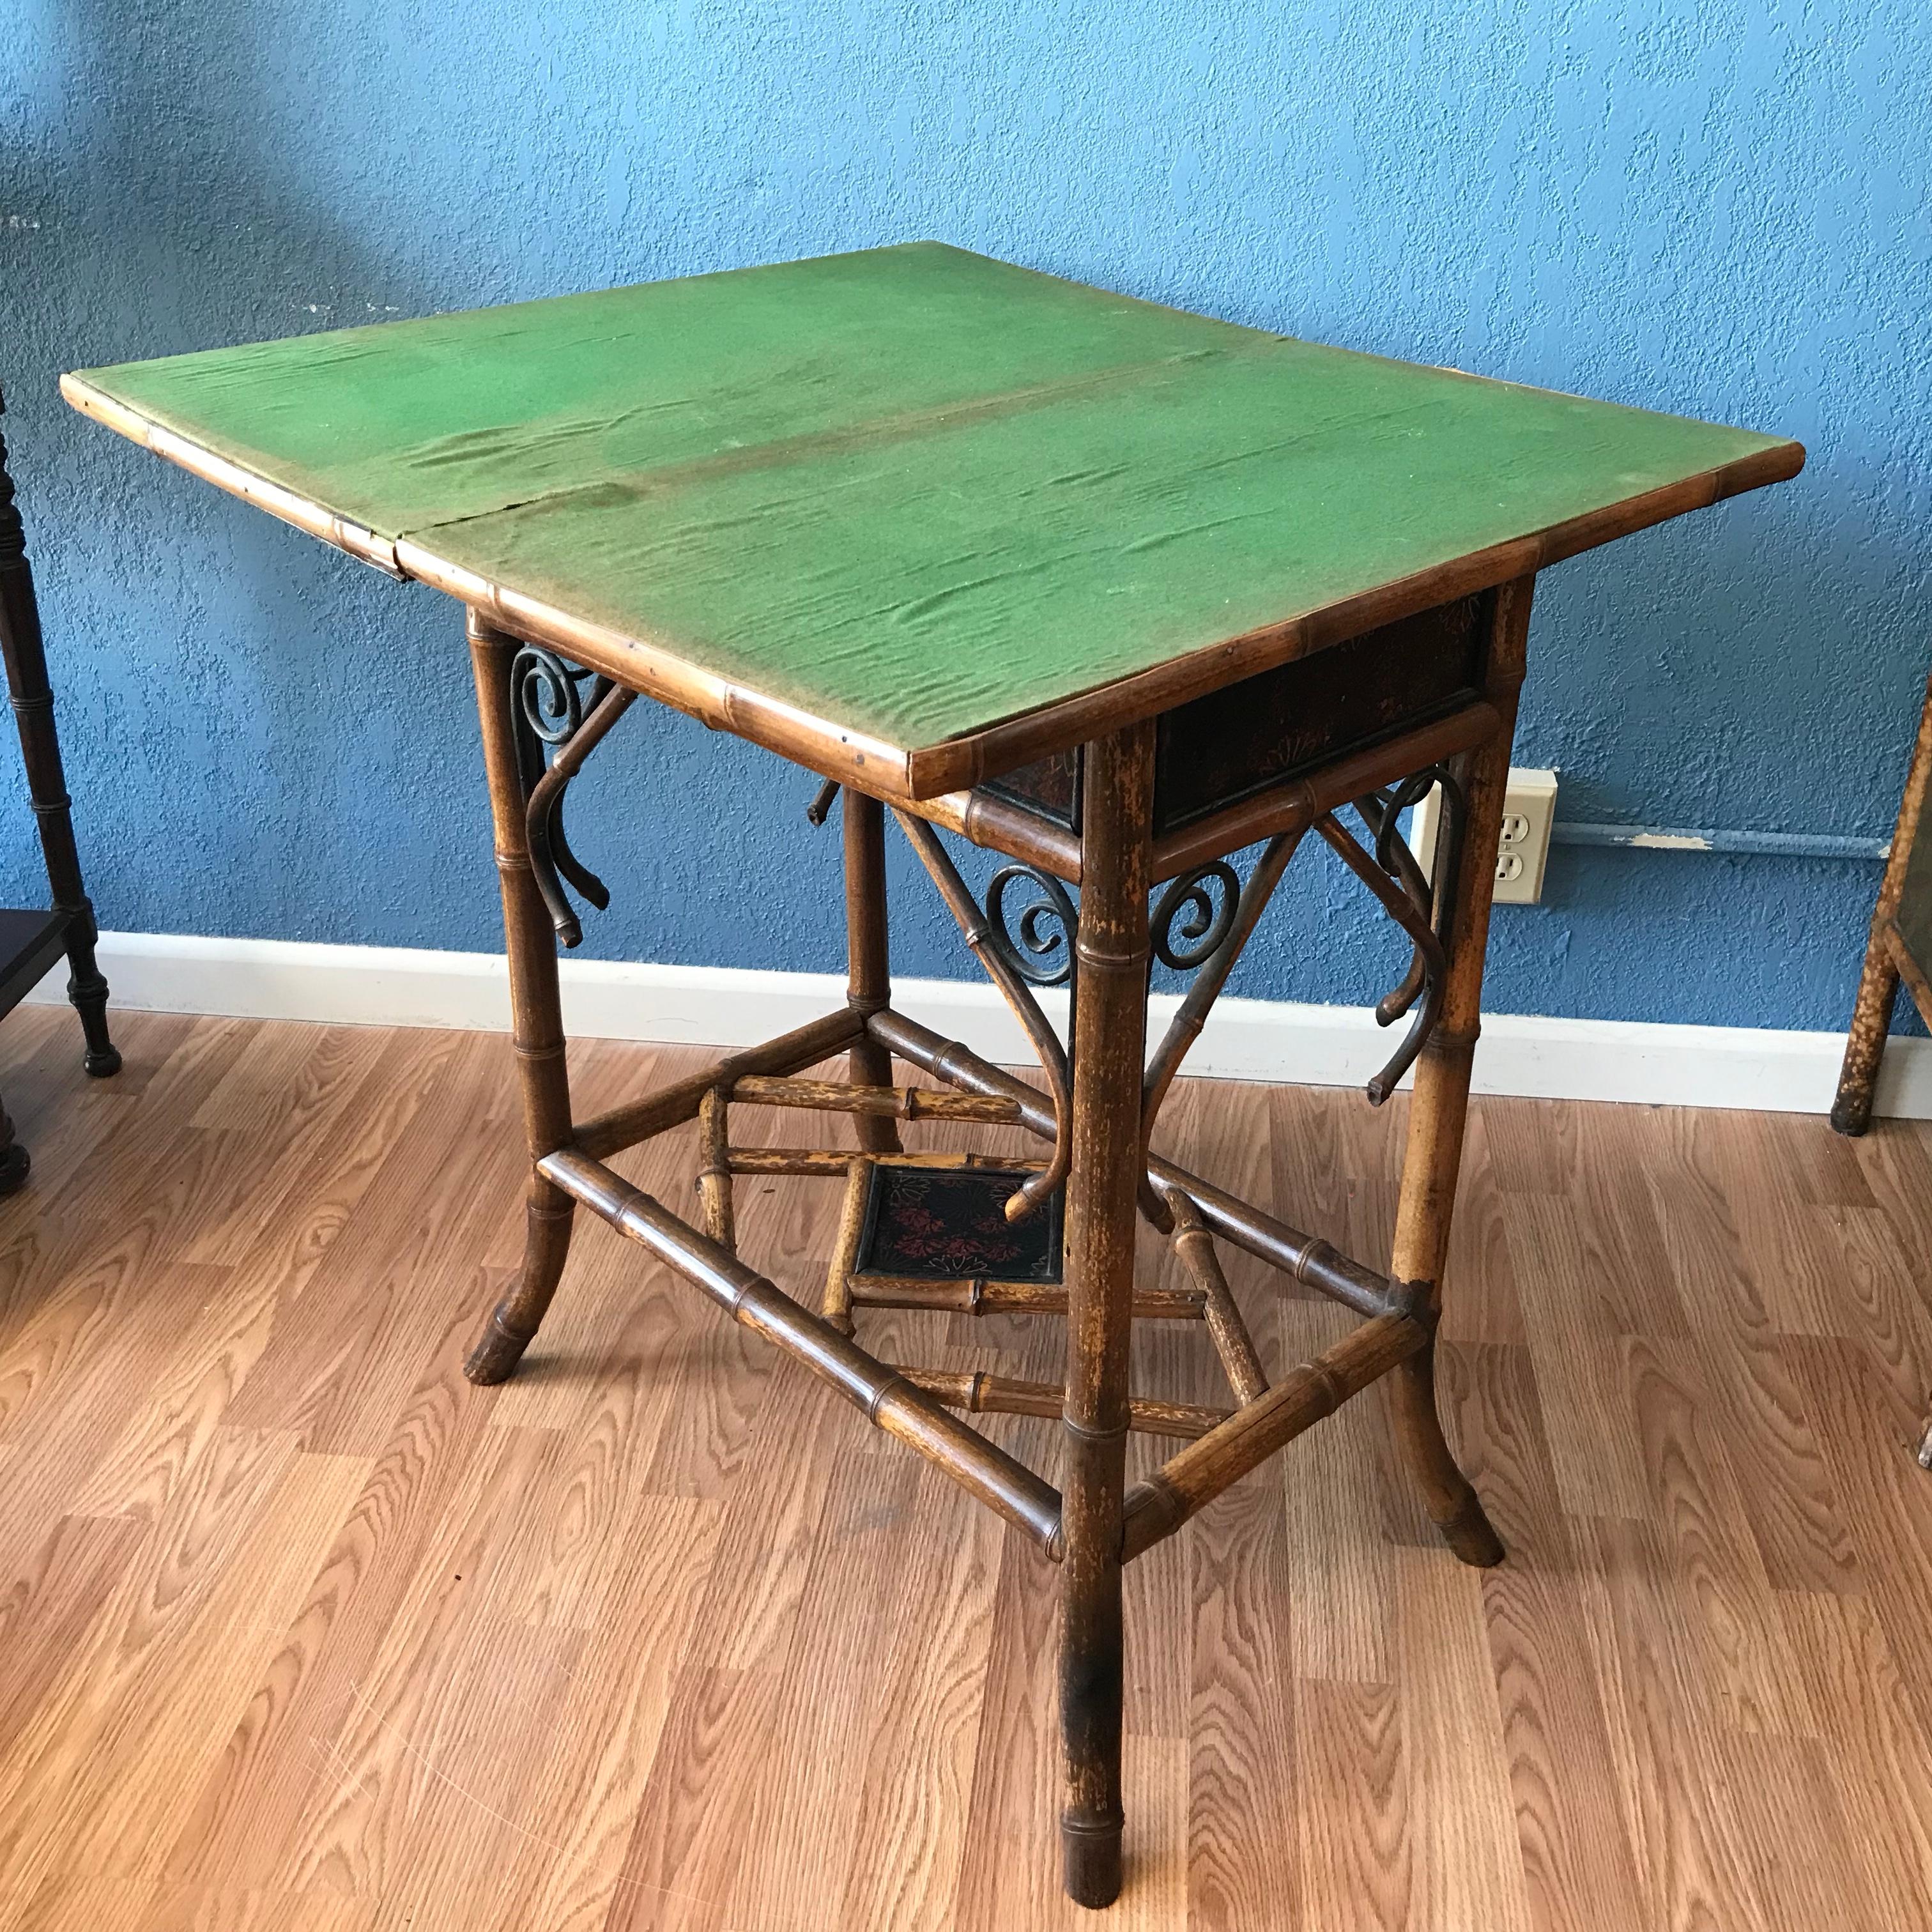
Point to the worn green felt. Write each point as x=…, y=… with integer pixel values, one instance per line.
x=912, y=490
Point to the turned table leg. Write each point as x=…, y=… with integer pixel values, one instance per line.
x=1110, y=1022
x=1438, y=1108
x=536, y=1013
x=31, y=692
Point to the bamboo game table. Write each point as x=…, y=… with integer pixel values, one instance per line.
x=1114, y=591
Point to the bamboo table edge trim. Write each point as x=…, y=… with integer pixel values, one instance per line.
x=916, y=774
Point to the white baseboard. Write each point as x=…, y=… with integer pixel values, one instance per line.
x=1245, y=1039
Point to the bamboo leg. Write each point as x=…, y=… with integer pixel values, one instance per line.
x=838, y=1306
x=1110, y=1032
x=1864, y=1046
x=869, y=986
x=537, y=1017
x=1439, y=1107
x=1878, y=985
x=714, y=1178
x=1195, y=1248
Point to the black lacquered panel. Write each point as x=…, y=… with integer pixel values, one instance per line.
x=1219, y=749
x=941, y=1225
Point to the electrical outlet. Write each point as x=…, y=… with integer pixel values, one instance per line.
x=1529, y=808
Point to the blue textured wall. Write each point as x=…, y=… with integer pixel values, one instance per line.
x=1720, y=208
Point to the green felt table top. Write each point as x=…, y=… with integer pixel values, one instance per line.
x=910, y=492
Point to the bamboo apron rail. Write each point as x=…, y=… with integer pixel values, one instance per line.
x=1112, y=590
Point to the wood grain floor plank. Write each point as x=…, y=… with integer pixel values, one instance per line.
x=1535, y=1146
x=558, y=1654
x=1895, y=1160
x=1578, y=1869
x=47, y=1611
x=83, y=1325
x=114, y=1905
x=222, y=1327
x=240, y=1630
x=108, y=1332
x=1578, y=1341
x=1869, y=1436
x=903, y=1842
x=1796, y=1514
x=291, y=1090
x=686, y=1840
x=1491, y=1408
x=1875, y=1746
x=1334, y=1161
x=1632, y=1289
x=792, y=1860
x=215, y=1584
x=1468, y=1867
x=359, y=1830
x=1243, y=1786
x=1697, y=1502
x=1785, y=1812
x=343, y=1358
x=1341, y=1607
x=150, y=1166
x=1356, y=1837
x=1479, y=1302
x=1690, y=1862
x=1016, y=1796
x=1798, y=1155
x=1785, y=1485
x=65, y=1131
x=574, y=1827
x=253, y=1800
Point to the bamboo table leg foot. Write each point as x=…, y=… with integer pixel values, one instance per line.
x=1448, y=1496
x=1091, y=1867
x=1871, y=1022
x=514, y=1322
x=87, y=993
x=1438, y=1108
x=512, y=761
x=91, y=1002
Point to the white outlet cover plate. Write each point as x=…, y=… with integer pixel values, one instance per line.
x=1532, y=797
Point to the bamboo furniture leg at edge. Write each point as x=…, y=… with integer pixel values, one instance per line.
x=1438, y=1109
x=1878, y=983
x=1109, y=1038
x=536, y=1012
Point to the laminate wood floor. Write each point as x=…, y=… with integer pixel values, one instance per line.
x=298, y=1633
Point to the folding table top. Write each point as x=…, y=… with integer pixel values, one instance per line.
x=913, y=516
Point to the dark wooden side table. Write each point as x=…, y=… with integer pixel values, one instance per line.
x=31, y=941
x=1114, y=591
